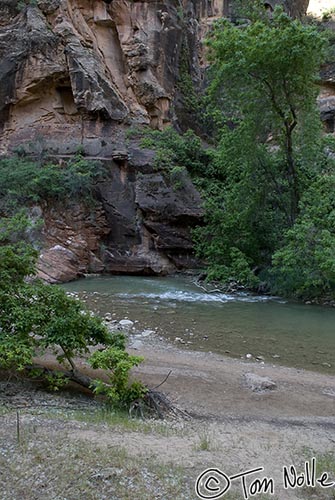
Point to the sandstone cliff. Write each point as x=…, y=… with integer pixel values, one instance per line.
x=73, y=71
x=141, y=225
x=78, y=71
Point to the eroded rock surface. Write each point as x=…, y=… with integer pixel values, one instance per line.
x=72, y=71
x=142, y=225
x=79, y=73
x=72, y=241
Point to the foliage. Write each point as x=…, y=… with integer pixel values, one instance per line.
x=23, y=181
x=55, y=381
x=177, y=176
x=269, y=157
x=190, y=109
x=176, y=150
x=263, y=98
x=264, y=75
x=118, y=363
x=305, y=265
x=35, y=316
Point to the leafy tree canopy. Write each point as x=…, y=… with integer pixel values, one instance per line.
x=268, y=178
x=263, y=97
x=35, y=317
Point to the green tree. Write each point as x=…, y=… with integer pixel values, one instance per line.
x=305, y=266
x=262, y=94
x=264, y=79
x=35, y=317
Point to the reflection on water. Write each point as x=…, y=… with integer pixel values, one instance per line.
x=281, y=332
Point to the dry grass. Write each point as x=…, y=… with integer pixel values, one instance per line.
x=47, y=464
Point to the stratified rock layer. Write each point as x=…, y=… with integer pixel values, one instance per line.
x=72, y=71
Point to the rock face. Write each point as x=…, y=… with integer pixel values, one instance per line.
x=72, y=240
x=73, y=71
x=140, y=226
x=296, y=8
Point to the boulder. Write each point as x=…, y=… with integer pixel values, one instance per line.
x=258, y=383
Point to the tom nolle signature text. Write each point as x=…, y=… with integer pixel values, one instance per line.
x=213, y=483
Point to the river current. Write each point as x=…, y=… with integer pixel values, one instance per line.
x=238, y=325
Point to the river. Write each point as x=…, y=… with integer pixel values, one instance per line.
x=270, y=328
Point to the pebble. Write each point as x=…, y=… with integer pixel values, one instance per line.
x=126, y=323
x=147, y=333
x=329, y=392
x=259, y=384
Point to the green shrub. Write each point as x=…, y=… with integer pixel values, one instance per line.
x=23, y=181
x=305, y=266
x=173, y=149
x=35, y=317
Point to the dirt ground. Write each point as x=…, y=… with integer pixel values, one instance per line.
x=212, y=386
x=285, y=426
x=230, y=428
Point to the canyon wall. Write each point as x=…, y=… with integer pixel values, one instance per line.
x=78, y=75
x=77, y=72
x=141, y=224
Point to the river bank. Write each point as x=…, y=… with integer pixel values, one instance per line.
x=69, y=448
x=212, y=386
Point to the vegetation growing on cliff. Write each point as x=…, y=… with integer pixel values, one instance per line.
x=24, y=181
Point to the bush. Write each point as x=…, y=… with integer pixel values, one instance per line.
x=23, y=181
x=175, y=150
x=35, y=317
x=305, y=266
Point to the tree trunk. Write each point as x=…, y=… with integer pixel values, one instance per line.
x=292, y=175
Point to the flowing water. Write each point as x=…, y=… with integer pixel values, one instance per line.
x=281, y=332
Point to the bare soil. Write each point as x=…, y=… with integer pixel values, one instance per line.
x=229, y=427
